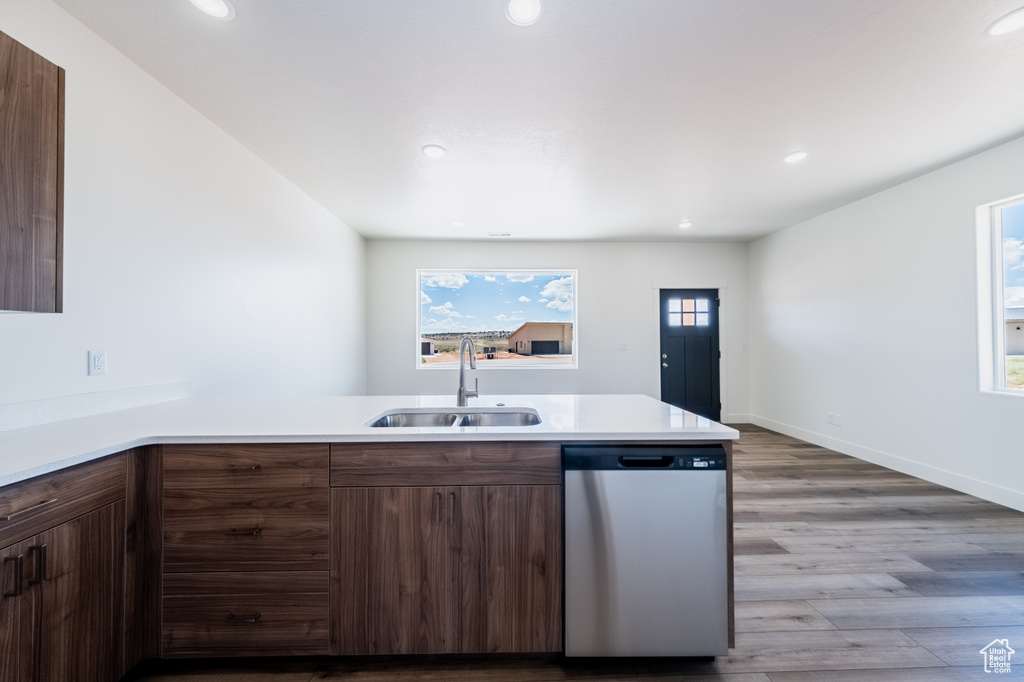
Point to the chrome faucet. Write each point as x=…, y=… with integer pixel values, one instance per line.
x=462, y=397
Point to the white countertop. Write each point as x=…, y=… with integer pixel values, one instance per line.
x=37, y=450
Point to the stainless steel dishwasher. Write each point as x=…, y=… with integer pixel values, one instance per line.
x=645, y=551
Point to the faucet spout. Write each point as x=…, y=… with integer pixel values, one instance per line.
x=463, y=395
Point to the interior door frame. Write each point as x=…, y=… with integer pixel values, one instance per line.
x=724, y=336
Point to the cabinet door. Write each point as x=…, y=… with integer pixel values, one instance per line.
x=273, y=613
x=11, y=586
x=74, y=575
x=31, y=179
x=510, y=568
x=391, y=587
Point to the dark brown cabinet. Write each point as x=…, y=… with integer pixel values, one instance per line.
x=31, y=180
x=245, y=545
x=445, y=568
x=62, y=606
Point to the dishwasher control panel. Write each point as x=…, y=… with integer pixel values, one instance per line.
x=604, y=458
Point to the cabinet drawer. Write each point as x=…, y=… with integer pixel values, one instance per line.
x=451, y=463
x=32, y=506
x=245, y=614
x=249, y=529
x=245, y=466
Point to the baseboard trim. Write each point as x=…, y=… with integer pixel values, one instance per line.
x=950, y=479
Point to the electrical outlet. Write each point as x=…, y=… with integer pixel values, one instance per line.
x=834, y=419
x=97, y=362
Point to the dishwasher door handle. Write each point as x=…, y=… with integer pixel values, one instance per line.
x=641, y=462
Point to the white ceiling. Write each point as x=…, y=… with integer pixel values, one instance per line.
x=607, y=119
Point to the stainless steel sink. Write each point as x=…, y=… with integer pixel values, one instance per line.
x=517, y=418
x=461, y=417
x=415, y=419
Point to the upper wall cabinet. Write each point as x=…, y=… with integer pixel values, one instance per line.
x=31, y=180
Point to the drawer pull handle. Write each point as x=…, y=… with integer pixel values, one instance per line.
x=28, y=510
x=241, y=468
x=40, y=553
x=248, y=620
x=248, y=531
x=19, y=567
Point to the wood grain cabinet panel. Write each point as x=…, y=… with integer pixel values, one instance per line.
x=248, y=529
x=63, y=601
x=195, y=467
x=31, y=180
x=511, y=568
x=31, y=506
x=449, y=463
x=246, y=550
x=446, y=569
x=393, y=585
x=279, y=613
x=12, y=567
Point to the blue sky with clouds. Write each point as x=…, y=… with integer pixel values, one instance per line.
x=1013, y=255
x=462, y=301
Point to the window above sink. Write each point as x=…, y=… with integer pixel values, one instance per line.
x=516, y=318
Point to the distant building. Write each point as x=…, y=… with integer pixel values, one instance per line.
x=1014, y=338
x=426, y=346
x=542, y=338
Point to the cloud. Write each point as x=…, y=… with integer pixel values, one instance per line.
x=524, y=299
x=446, y=310
x=505, y=318
x=447, y=324
x=514, y=277
x=448, y=280
x=1013, y=297
x=490, y=278
x=424, y=298
x=559, y=294
x=1013, y=254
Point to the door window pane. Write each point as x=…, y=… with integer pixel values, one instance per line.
x=688, y=305
x=702, y=305
x=703, y=319
x=675, y=305
x=689, y=319
x=675, y=319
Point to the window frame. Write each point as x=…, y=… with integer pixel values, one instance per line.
x=483, y=363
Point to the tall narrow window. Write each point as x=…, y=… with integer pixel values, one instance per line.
x=1011, y=221
x=1001, y=233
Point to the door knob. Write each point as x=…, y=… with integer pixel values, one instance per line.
x=665, y=365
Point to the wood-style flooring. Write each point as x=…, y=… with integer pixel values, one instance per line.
x=845, y=571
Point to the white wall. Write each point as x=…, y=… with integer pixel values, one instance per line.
x=185, y=256
x=616, y=303
x=869, y=312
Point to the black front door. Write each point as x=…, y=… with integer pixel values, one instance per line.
x=689, y=351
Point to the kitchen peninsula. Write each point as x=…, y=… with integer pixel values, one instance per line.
x=292, y=527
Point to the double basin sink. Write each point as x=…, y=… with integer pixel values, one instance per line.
x=456, y=417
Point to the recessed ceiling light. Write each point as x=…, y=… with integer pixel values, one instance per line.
x=434, y=151
x=1011, y=22
x=457, y=223
x=686, y=224
x=795, y=157
x=218, y=9
x=522, y=12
